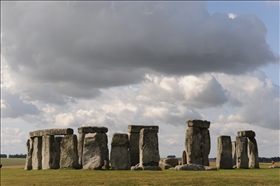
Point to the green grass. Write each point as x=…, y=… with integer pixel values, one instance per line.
x=262, y=176
x=12, y=161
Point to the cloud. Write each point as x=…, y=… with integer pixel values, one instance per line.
x=76, y=48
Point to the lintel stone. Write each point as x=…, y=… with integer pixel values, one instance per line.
x=38, y=133
x=246, y=133
x=198, y=123
x=137, y=128
x=92, y=129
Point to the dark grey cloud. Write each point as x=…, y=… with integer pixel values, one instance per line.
x=14, y=107
x=92, y=45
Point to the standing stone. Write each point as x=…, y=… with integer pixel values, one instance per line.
x=80, y=148
x=93, y=151
x=253, y=153
x=37, y=153
x=148, y=147
x=246, y=133
x=120, y=156
x=47, y=151
x=184, y=157
x=133, y=137
x=68, y=152
x=233, y=152
x=91, y=129
x=242, y=152
x=205, y=146
x=193, y=145
x=28, y=162
x=56, y=153
x=224, y=154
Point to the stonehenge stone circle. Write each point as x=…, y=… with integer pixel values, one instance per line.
x=120, y=156
x=148, y=147
x=197, y=142
x=133, y=137
x=224, y=153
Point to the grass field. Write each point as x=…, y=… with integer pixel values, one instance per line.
x=12, y=174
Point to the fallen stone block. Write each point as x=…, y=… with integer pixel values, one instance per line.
x=171, y=161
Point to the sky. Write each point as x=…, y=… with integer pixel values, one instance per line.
x=113, y=64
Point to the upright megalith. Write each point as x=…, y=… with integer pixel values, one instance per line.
x=253, y=153
x=93, y=151
x=37, y=153
x=47, y=150
x=133, y=137
x=224, y=153
x=241, y=152
x=90, y=130
x=120, y=156
x=198, y=143
x=247, y=145
x=184, y=157
x=233, y=152
x=68, y=152
x=28, y=162
x=148, y=147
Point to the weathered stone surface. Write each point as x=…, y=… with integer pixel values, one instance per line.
x=205, y=146
x=246, y=133
x=224, y=150
x=171, y=161
x=137, y=128
x=184, y=157
x=136, y=167
x=163, y=165
x=193, y=145
x=56, y=153
x=133, y=137
x=189, y=167
x=242, y=152
x=155, y=168
x=68, y=152
x=148, y=147
x=134, y=148
x=233, y=152
x=28, y=161
x=120, y=139
x=199, y=124
x=66, y=131
x=80, y=148
x=47, y=151
x=253, y=153
x=120, y=156
x=210, y=168
x=37, y=153
x=92, y=129
x=94, y=152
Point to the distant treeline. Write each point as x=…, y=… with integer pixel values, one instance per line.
x=261, y=159
x=13, y=156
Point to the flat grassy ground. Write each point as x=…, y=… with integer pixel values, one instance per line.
x=15, y=175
